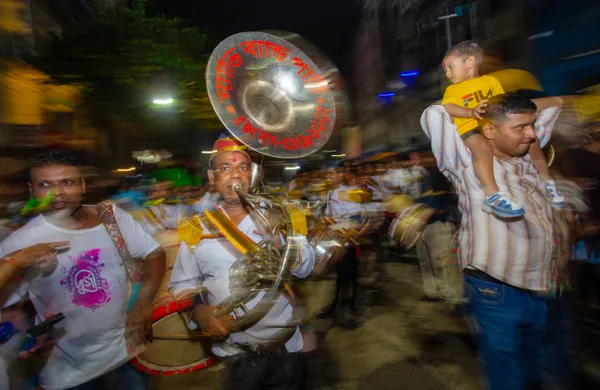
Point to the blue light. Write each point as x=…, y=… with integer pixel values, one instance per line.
x=387, y=94
x=408, y=74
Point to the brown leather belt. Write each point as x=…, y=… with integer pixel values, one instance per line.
x=477, y=274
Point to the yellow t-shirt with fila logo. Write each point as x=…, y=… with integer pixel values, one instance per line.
x=469, y=94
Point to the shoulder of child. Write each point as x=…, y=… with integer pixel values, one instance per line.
x=450, y=87
x=489, y=78
x=449, y=93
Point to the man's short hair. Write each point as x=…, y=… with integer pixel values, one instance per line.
x=54, y=158
x=498, y=107
x=467, y=49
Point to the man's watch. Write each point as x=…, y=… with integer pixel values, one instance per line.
x=200, y=299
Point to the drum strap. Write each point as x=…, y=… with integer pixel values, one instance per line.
x=133, y=268
x=214, y=232
x=206, y=223
x=220, y=224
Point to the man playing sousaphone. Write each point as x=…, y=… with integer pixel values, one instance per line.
x=269, y=353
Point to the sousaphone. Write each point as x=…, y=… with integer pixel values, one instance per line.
x=281, y=97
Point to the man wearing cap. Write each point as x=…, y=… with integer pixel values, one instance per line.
x=269, y=354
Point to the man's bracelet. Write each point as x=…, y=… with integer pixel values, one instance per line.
x=197, y=300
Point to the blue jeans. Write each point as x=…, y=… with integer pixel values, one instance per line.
x=122, y=378
x=559, y=363
x=510, y=329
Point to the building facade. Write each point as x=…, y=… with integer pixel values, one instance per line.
x=413, y=36
x=33, y=110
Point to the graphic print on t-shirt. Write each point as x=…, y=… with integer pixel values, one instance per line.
x=84, y=280
x=477, y=95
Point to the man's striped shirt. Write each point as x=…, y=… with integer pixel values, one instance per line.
x=520, y=252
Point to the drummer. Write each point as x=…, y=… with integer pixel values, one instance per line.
x=342, y=178
x=270, y=353
x=88, y=284
x=440, y=281
x=372, y=181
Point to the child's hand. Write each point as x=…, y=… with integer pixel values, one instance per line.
x=479, y=109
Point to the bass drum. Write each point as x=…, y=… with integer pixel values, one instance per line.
x=175, y=350
x=408, y=224
x=329, y=248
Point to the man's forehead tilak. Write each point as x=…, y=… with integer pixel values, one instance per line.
x=234, y=158
x=449, y=59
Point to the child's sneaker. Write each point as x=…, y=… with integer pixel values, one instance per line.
x=557, y=200
x=502, y=206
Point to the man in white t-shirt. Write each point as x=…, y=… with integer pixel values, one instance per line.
x=88, y=284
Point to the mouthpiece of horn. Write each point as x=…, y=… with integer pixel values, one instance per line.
x=237, y=187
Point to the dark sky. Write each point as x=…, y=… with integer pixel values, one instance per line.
x=329, y=24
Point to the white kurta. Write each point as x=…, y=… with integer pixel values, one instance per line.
x=207, y=266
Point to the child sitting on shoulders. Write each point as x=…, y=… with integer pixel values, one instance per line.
x=465, y=100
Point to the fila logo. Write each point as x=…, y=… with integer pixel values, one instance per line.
x=467, y=99
x=477, y=95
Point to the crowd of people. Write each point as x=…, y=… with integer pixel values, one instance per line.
x=499, y=236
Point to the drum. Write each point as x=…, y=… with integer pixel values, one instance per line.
x=170, y=242
x=175, y=350
x=396, y=203
x=188, y=231
x=329, y=248
x=408, y=224
x=550, y=153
